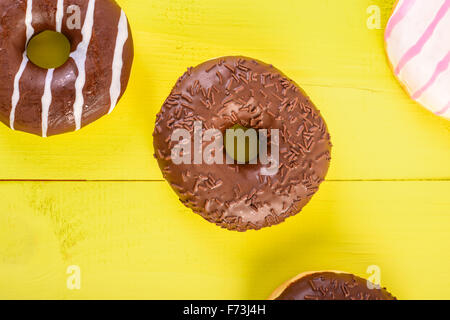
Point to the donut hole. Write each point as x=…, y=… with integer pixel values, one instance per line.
x=48, y=49
x=243, y=149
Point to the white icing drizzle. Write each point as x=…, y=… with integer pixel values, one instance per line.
x=79, y=56
x=47, y=96
x=16, y=92
x=117, y=65
x=59, y=15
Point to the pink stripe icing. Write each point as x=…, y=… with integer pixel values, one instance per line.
x=440, y=113
x=417, y=48
x=440, y=68
x=398, y=16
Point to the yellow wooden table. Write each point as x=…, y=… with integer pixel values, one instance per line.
x=96, y=199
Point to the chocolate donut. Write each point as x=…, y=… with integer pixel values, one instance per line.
x=329, y=285
x=236, y=90
x=47, y=102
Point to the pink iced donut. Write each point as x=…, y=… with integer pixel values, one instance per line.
x=418, y=46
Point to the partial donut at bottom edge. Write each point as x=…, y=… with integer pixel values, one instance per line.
x=329, y=285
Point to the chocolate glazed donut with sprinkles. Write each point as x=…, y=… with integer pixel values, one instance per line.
x=47, y=102
x=230, y=91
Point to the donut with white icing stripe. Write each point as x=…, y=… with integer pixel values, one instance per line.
x=418, y=46
x=88, y=86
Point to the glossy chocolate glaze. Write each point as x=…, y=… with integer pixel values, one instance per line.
x=99, y=65
x=237, y=90
x=332, y=286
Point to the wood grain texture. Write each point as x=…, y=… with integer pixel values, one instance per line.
x=135, y=240
x=325, y=46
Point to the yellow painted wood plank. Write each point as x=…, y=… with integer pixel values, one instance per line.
x=325, y=46
x=135, y=240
